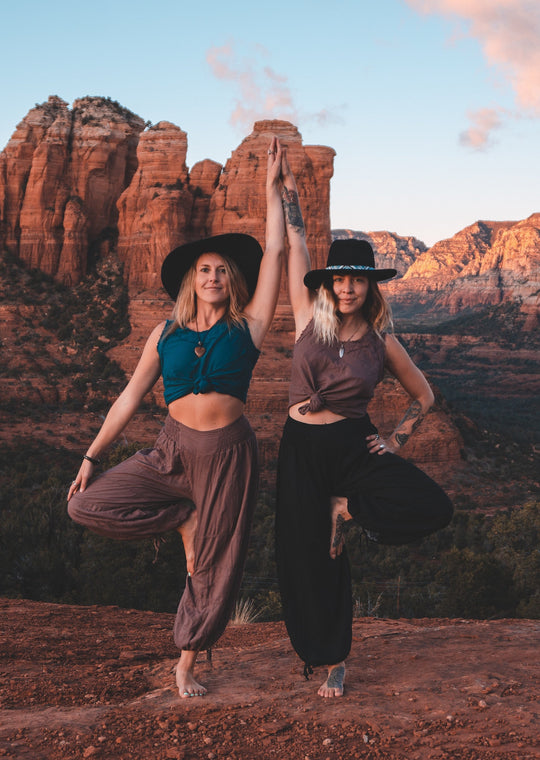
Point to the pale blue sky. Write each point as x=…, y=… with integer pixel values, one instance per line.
x=390, y=88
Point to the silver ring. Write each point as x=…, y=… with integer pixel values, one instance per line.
x=73, y=482
x=271, y=152
x=381, y=446
x=377, y=437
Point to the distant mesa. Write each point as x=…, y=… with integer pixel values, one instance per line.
x=82, y=183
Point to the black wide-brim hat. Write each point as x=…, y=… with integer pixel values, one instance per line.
x=350, y=256
x=244, y=250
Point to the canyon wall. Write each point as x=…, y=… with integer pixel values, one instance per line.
x=486, y=264
x=61, y=175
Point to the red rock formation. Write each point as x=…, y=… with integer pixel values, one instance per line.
x=16, y=164
x=60, y=177
x=484, y=264
x=72, y=260
x=63, y=174
x=203, y=179
x=155, y=210
x=238, y=203
x=45, y=197
x=164, y=207
x=103, y=160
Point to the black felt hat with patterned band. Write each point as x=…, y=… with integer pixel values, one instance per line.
x=243, y=249
x=350, y=256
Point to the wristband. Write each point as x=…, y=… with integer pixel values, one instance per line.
x=91, y=459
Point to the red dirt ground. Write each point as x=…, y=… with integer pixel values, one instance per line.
x=97, y=682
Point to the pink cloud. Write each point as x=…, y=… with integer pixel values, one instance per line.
x=483, y=123
x=262, y=92
x=509, y=33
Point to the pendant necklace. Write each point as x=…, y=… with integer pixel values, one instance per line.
x=199, y=348
x=341, y=351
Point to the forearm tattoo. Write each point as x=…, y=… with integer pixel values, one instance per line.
x=414, y=413
x=291, y=207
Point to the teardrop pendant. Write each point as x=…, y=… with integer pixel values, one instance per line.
x=341, y=351
x=199, y=350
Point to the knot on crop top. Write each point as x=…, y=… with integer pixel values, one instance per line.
x=315, y=404
x=225, y=367
x=342, y=384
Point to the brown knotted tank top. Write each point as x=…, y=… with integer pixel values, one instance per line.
x=343, y=384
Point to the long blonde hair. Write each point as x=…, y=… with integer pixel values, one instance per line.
x=185, y=307
x=326, y=322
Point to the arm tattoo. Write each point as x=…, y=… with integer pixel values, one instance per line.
x=414, y=413
x=291, y=207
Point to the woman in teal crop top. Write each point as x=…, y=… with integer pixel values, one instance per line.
x=200, y=477
x=333, y=465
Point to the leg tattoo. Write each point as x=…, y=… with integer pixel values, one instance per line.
x=334, y=684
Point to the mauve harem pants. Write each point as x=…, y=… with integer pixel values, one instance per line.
x=152, y=492
x=393, y=500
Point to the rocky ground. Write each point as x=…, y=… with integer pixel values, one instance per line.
x=97, y=682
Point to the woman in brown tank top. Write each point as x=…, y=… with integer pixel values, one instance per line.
x=333, y=464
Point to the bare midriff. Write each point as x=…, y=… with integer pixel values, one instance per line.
x=322, y=417
x=206, y=411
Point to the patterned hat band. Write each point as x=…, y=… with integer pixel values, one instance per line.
x=349, y=255
x=351, y=266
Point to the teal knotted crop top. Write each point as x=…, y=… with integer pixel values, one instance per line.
x=225, y=367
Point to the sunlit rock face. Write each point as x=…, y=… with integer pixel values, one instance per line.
x=60, y=177
x=486, y=264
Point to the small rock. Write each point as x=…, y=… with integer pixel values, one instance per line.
x=482, y=703
x=327, y=742
x=207, y=740
x=89, y=751
x=365, y=739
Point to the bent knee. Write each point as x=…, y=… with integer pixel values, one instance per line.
x=75, y=508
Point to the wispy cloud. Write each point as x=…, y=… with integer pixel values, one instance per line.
x=482, y=124
x=262, y=93
x=509, y=34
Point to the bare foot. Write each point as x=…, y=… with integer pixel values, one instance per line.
x=187, y=530
x=339, y=516
x=187, y=685
x=333, y=686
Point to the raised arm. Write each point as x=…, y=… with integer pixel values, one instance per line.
x=146, y=374
x=298, y=261
x=413, y=381
x=260, y=310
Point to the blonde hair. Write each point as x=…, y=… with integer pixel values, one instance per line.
x=185, y=307
x=375, y=310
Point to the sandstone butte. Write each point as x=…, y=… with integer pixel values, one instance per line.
x=81, y=184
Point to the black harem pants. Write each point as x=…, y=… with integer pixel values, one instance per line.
x=394, y=501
